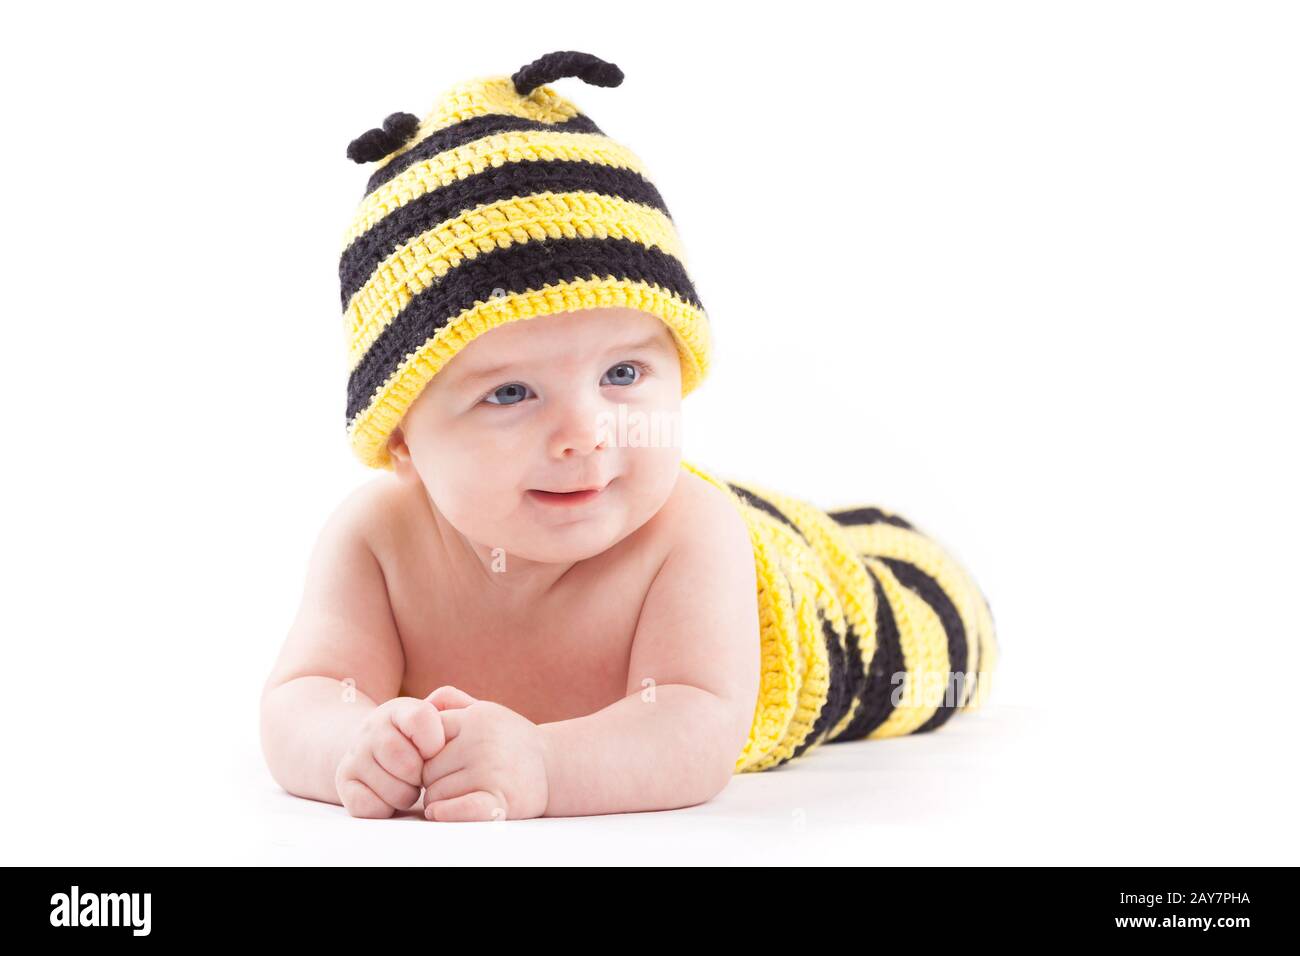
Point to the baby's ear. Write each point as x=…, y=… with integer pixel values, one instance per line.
x=397, y=446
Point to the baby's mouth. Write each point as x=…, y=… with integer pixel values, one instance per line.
x=563, y=498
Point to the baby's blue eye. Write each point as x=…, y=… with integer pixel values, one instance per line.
x=513, y=391
x=625, y=369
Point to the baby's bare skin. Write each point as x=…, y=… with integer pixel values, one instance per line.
x=553, y=656
x=589, y=659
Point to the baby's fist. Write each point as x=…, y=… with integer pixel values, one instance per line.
x=492, y=767
x=381, y=771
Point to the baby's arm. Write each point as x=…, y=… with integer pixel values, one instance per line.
x=341, y=659
x=692, y=684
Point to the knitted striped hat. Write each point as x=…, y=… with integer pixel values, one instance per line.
x=503, y=203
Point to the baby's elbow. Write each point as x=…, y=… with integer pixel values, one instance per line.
x=721, y=774
x=705, y=781
x=711, y=741
x=732, y=737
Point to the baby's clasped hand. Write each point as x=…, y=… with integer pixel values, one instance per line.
x=476, y=759
x=382, y=769
x=491, y=767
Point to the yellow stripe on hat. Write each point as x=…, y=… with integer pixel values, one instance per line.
x=481, y=96
x=370, y=429
x=474, y=157
x=425, y=259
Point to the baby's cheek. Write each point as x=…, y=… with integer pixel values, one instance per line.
x=652, y=472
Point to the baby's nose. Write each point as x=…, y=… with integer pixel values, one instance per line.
x=581, y=427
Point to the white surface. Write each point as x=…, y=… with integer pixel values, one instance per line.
x=1004, y=785
x=1025, y=273
x=1010, y=785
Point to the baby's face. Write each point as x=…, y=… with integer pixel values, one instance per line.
x=533, y=407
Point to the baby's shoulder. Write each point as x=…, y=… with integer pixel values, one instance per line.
x=372, y=513
x=699, y=515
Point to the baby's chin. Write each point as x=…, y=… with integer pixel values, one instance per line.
x=559, y=546
x=557, y=531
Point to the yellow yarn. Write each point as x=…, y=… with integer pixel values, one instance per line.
x=423, y=261
x=818, y=603
x=370, y=430
x=505, y=202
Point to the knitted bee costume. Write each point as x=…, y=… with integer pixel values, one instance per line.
x=506, y=203
x=868, y=627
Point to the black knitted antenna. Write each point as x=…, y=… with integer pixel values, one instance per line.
x=590, y=69
x=377, y=143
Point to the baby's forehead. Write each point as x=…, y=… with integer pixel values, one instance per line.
x=565, y=334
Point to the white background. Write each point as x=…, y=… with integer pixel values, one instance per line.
x=1026, y=273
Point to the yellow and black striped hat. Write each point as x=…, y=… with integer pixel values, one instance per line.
x=505, y=202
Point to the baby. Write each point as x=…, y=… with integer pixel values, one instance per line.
x=540, y=609
x=519, y=607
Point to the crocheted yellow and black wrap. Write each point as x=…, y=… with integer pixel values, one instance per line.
x=869, y=628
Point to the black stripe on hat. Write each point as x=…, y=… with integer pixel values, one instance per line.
x=466, y=131
x=521, y=267
x=526, y=178
x=928, y=589
x=856, y=516
x=876, y=695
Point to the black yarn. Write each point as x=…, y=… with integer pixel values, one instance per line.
x=521, y=267
x=590, y=69
x=762, y=504
x=869, y=515
x=928, y=589
x=377, y=143
x=875, y=695
x=466, y=131
x=838, y=696
x=367, y=252
x=856, y=670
